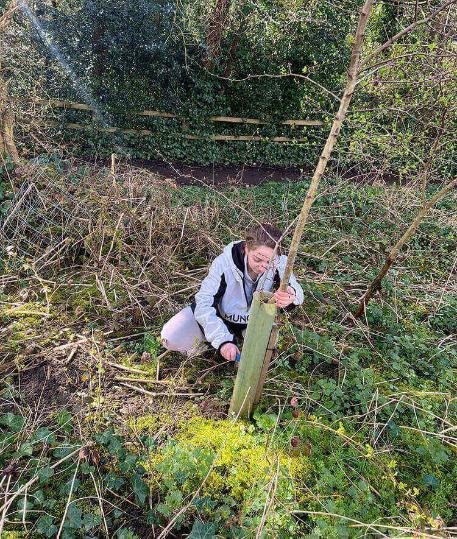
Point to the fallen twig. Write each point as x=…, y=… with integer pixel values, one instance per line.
x=166, y=394
x=124, y=368
x=144, y=381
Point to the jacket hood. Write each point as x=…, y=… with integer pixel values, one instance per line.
x=234, y=254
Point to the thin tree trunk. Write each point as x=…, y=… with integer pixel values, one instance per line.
x=428, y=164
x=216, y=27
x=326, y=152
x=7, y=144
x=376, y=283
x=253, y=364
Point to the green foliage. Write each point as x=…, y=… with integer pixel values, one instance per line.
x=231, y=469
x=202, y=531
x=372, y=430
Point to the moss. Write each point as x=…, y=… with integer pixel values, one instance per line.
x=144, y=424
x=168, y=418
x=229, y=459
x=27, y=323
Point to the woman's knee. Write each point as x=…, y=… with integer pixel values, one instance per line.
x=169, y=338
x=182, y=333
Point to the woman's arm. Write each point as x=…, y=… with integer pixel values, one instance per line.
x=294, y=289
x=295, y=285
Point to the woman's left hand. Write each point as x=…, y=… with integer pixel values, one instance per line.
x=284, y=299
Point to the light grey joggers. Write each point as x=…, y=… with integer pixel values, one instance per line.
x=182, y=334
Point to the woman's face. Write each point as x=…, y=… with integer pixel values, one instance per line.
x=258, y=258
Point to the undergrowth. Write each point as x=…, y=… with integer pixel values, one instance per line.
x=355, y=433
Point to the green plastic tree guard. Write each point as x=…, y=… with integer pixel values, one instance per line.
x=261, y=319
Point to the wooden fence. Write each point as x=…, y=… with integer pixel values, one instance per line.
x=159, y=114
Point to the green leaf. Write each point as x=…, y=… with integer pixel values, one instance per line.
x=45, y=525
x=128, y=464
x=202, y=531
x=266, y=421
x=42, y=434
x=113, y=481
x=25, y=450
x=430, y=480
x=24, y=503
x=112, y=442
x=39, y=497
x=12, y=421
x=90, y=521
x=67, y=534
x=45, y=473
x=73, y=519
x=164, y=510
x=140, y=489
x=63, y=452
x=70, y=485
x=64, y=420
x=126, y=533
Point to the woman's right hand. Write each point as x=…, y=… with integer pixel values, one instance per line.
x=229, y=351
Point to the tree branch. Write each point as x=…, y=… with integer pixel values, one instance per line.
x=406, y=30
x=331, y=140
x=376, y=283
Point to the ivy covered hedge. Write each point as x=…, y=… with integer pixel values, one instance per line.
x=275, y=61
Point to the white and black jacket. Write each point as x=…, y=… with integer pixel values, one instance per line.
x=221, y=307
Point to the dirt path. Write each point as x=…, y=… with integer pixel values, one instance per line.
x=218, y=174
x=239, y=175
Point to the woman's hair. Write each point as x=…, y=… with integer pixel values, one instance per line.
x=263, y=234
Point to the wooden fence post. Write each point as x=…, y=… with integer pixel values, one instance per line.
x=266, y=362
x=255, y=346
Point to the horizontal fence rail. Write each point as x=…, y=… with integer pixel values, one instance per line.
x=147, y=132
x=57, y=103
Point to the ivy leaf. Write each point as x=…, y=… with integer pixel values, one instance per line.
x=24, y=504
x=39, y=497
x=43, y=434
x=202, y=531
x=430, y=480
x=67, y=487
x=128, y=464
x=64, y=420
x=45, y=473
x=64, y=451
x=126, y=533
x=112, y=442
x=90, y=521
x=25, y=450
x=45, y=526
x=140, y=489
x=73, y=519
x=113, y=481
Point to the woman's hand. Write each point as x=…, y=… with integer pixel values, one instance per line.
x=229, y=351
x=283, y=299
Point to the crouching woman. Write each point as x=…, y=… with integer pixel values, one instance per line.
x=219, y=312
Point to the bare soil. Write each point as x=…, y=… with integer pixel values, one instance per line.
x=239, y=175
